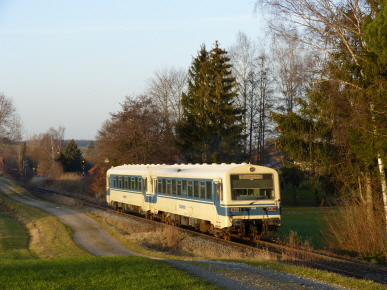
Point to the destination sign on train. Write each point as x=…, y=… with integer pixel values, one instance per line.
x=251, y=176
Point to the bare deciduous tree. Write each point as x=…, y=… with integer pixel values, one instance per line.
x=251, y=70
x=291, y=66
x=45, y=148
x=166, y=88
x=10, y=123
x=134, y=135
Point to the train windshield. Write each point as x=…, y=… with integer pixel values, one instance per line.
x=252, y=186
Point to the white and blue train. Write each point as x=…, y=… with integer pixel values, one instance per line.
x=225, y=200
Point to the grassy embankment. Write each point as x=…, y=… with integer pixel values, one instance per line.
x=37, y=261
x=36, y=252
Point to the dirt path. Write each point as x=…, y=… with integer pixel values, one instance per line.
x=87, y=233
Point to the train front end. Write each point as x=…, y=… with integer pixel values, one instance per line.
x=252, y=200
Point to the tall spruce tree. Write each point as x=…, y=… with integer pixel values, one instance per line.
x=211, y=129
x=71, y=158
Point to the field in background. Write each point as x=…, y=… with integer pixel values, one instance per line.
x=306, y=219
x=307, y=222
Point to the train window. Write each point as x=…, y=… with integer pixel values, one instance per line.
x=125, y=182
x=144, y=184
x=202, y=189
x=178, y=189
x=252, y=187
x=114, y=181
x=208, y=189
x=196, y=188
x=184, y=191
x=139, y=179
x=159, y=186
x=189, y=186
x=132, y=181
x=164, y=190
x=120, y=181
x=173, y=186
x=169, y=186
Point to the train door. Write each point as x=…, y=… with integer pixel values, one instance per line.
x=220, y=212
x=108, y=189
x=145, y=188
x=150, y=194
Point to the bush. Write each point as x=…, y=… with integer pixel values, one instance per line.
x=357, y=230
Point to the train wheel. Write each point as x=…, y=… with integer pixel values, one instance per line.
x=256, y=237
x=265, y=229
x=227, y=236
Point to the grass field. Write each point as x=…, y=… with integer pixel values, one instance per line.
x=96, y=273
x=307, y=222
x=13, y=239
x=306, y=219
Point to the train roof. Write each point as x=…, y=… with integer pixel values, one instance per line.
x=129, y=169
x=210, y=171
x=194, y=170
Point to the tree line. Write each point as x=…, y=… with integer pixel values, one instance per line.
x=216, y=111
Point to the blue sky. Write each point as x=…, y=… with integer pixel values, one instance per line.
x=70, y=63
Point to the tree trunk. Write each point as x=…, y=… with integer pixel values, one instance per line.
x=384, y=186
x=315, y=191
x=294, y=195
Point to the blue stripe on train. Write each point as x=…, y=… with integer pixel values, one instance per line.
x=222, y=209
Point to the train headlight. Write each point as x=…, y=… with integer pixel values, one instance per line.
x=234, y=209
x=252, y=169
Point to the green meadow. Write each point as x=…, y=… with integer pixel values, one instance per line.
x=306, y=222
x=130, y=272
x=306, y=219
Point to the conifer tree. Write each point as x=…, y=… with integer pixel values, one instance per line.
x=71, y=158
x=211, y=129
x=342, y=124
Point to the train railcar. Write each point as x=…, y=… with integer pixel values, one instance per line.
x=222, y=199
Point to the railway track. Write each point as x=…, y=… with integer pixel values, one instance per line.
x=342, y=266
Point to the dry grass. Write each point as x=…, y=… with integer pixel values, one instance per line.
x=66, y=182
x=294, y=241
x=169, y=241
x=358, y=231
